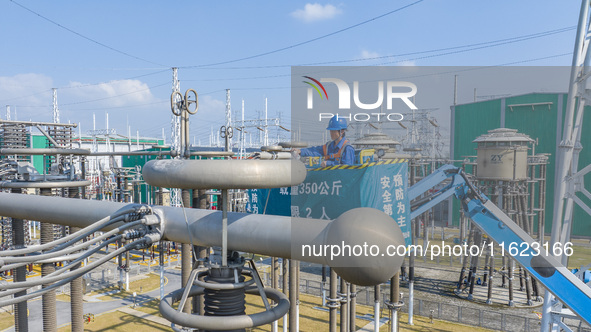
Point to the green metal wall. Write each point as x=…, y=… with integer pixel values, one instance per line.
x=540, y=122
x=471, y=121
x=39, y=142
x=132, y=161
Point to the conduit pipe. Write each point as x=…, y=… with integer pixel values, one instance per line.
x=262, y=234
x=223, y=174
x=45, y=151
x=44, y=184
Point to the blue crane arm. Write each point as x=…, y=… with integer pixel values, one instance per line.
x=442, y=174
x=536, y=259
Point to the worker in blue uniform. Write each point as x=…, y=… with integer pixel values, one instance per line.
x=336, y=152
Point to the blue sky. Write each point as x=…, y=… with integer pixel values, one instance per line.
x=115, y=56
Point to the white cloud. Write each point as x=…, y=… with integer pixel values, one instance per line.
x=25, y=89
x=113, y=94
x=316, y=12
x=126, y=100
x=365, y=54
x=211, y=106
x=407, y=63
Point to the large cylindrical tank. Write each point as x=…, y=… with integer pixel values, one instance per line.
x=502, y=155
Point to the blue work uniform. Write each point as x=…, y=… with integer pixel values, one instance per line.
x=330, y=152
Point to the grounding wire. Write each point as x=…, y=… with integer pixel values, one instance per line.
x=107, y=242
x=68, y=266
x=73, y=275
x=52, y=279
x=87, y=254
x=120, y=228
x=36, y=293
x=88, y=233
x=67, y=238
x=65, y=268
x=63, y=258
x=48, y=260
x=36, y=248
x=70, y=249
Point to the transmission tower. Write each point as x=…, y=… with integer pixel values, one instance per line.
x=569, y=179
x=175, y=194
x=242, y=135
x=228, y=117
x=56, y=111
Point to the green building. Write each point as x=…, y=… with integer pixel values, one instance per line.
x=538, y=115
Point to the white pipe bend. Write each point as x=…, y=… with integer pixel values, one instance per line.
x=223, y=174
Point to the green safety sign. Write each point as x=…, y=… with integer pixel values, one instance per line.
x=330, y=191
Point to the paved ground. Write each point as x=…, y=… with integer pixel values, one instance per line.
x=63, y=308
x=143, y=315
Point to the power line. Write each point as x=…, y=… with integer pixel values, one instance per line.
x=456, y=50
x=473, y=46
x=439, y=73
x=467, y=50
x=307, y=41
x=116, y=96
x=83, y=36
x=36, y=94
x=113, y=81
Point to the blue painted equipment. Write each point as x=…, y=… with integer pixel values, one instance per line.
x=569, y=289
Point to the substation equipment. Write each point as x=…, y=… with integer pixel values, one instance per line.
x=59, y=162
x=222, y=279
x=507, y=170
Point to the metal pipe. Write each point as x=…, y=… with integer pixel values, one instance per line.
x=474, y=264
x=376, y=309
x=199, y=202
x=132, y=153
x=161, y=267
x=76, y=303
x=511, y=267
x=261, y=234
x=490, y=277
x=224, y=227
x=274, y=285
x=411, y=258
x=285, y=269
x=522, y=208
x=270, y=156
x=353, y=308
x=394, y=301
x=37, y=123
x=49, y=299
x=186, y=254
x=45, y=151
x=332, y=316
x=43, y=184
x=206, y=174
x=292, y=295
x=464, y=262
x=344, y=306
x=49, y=137
x=21, y=320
